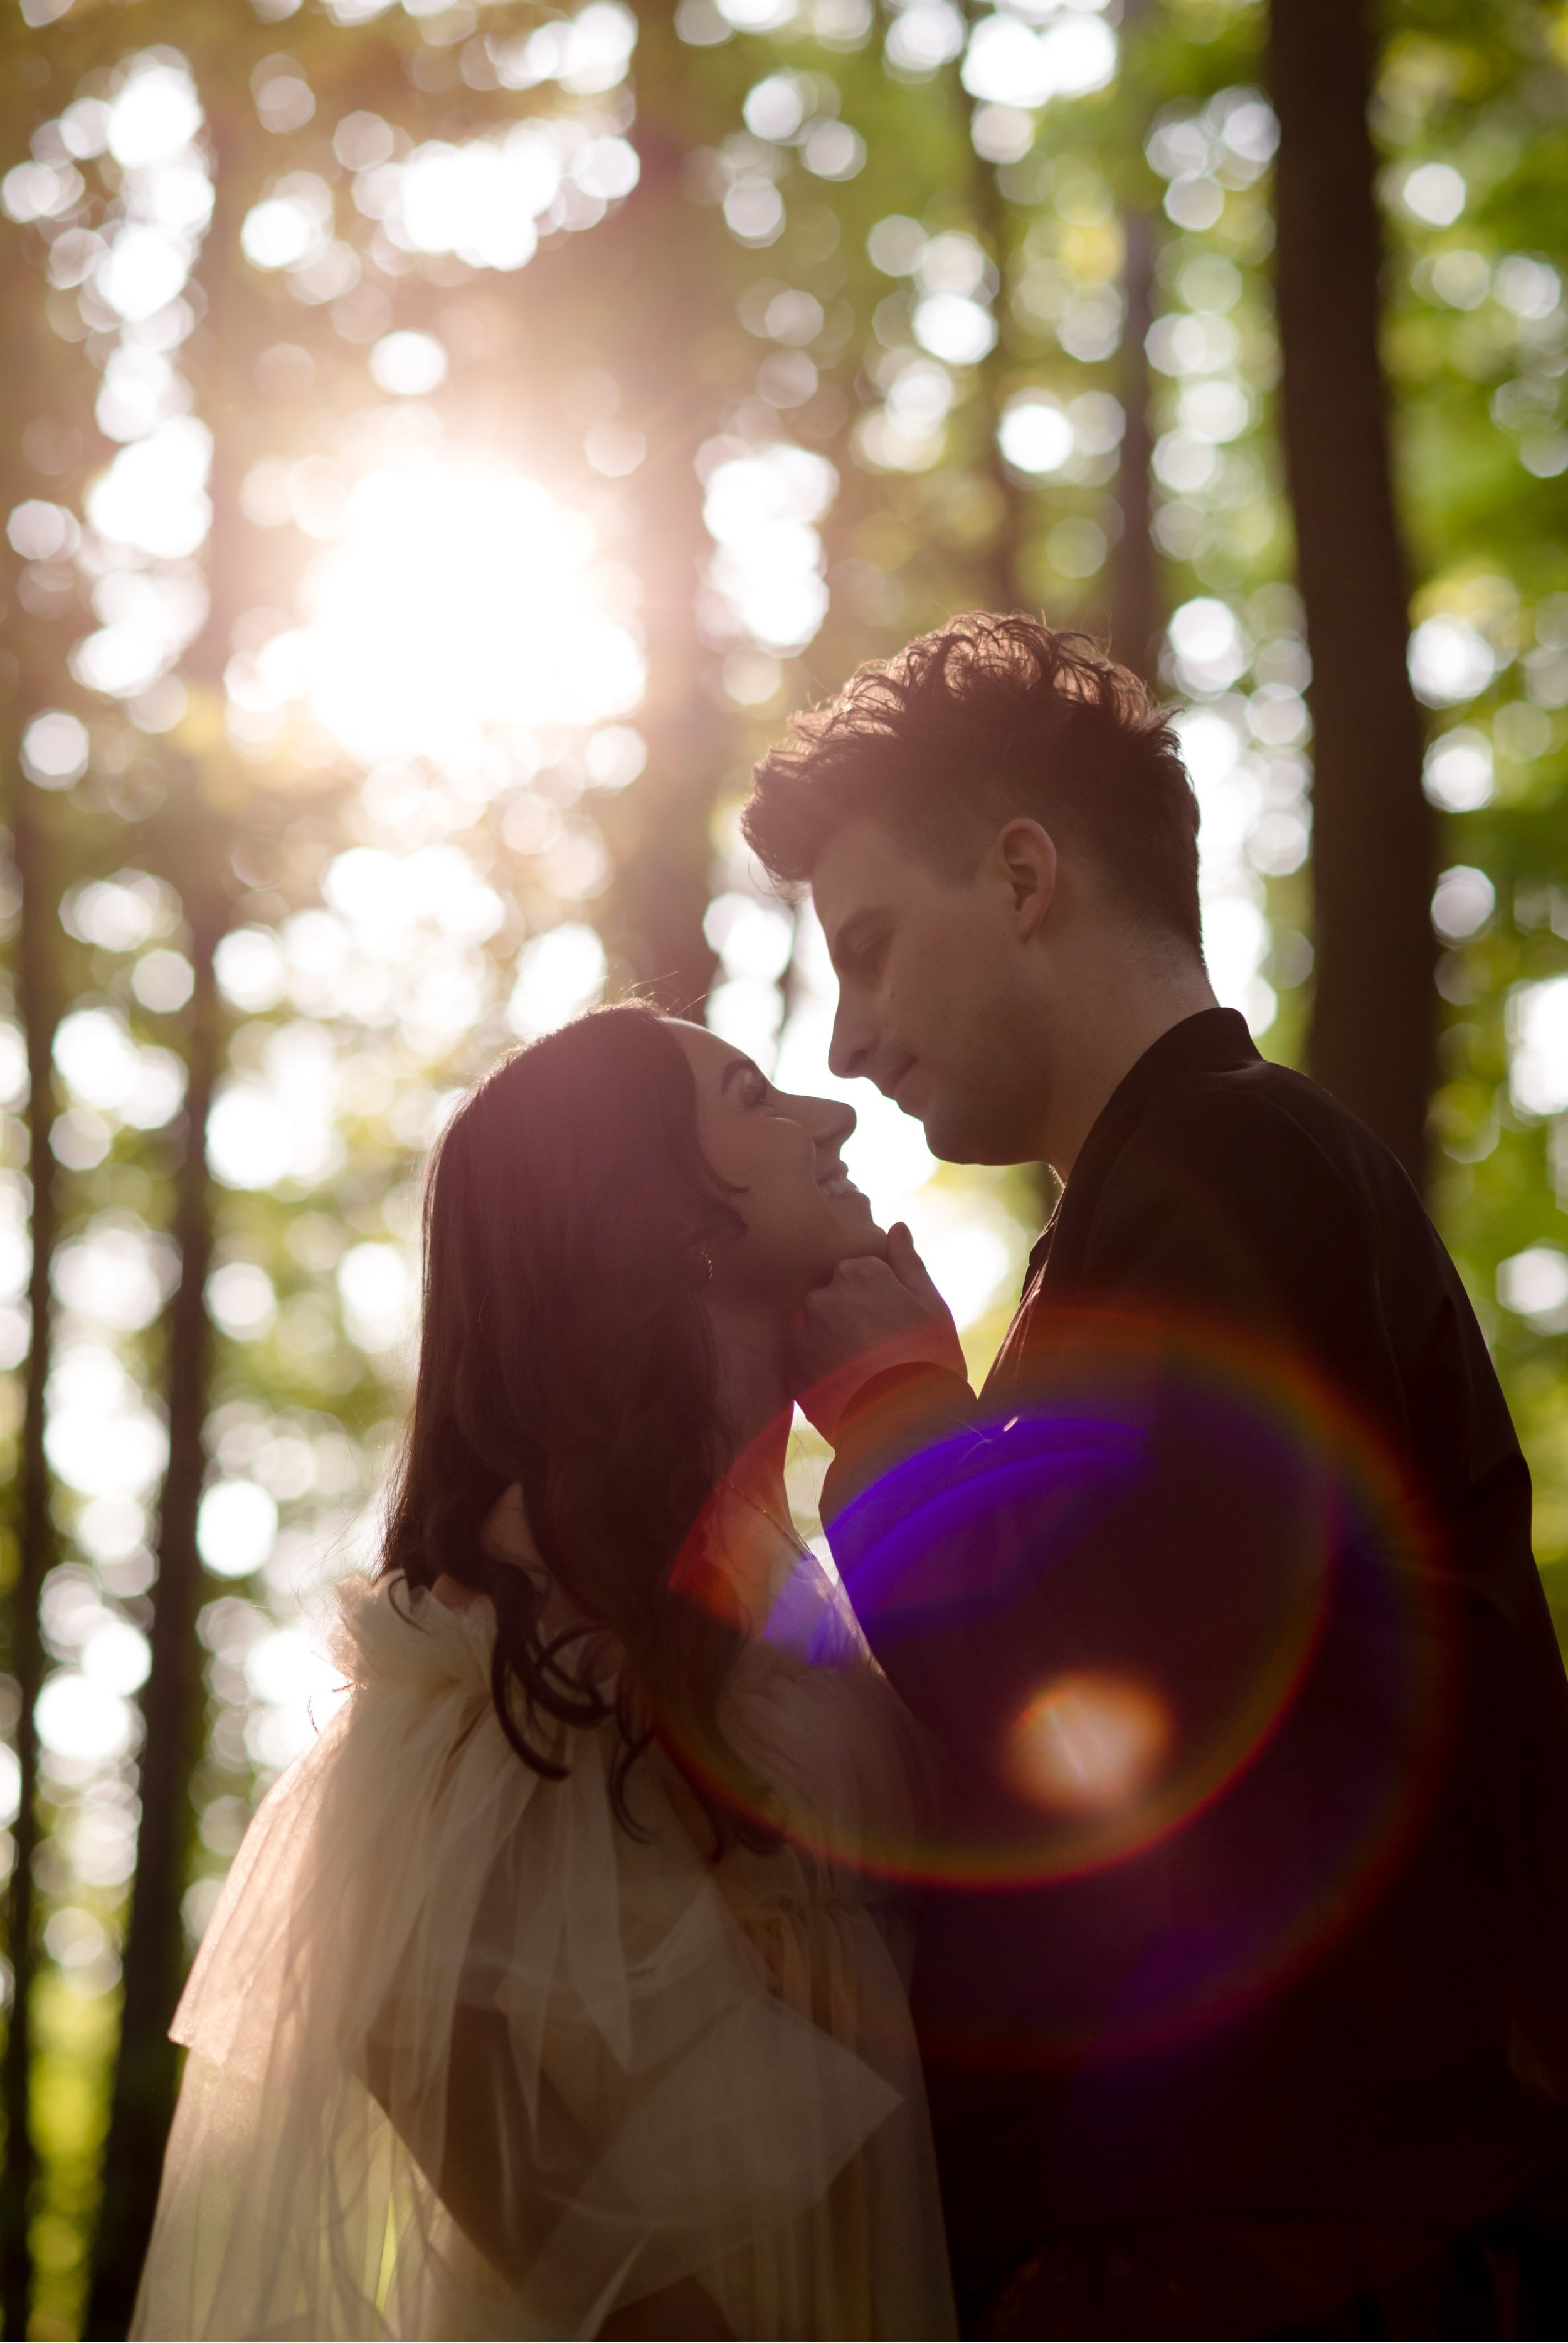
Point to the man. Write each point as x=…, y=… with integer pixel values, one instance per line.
x=1243, y=1978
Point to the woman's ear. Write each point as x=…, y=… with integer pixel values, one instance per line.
x=507, y=1536
x=1024, y=858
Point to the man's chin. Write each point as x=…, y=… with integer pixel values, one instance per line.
x=955, y=1137
x=951, y=1135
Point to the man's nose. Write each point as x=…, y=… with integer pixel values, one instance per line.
x=854, y=1037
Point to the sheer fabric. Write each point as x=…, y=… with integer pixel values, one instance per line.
x=468, y=2059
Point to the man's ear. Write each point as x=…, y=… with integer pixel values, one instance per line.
x=1024, y=856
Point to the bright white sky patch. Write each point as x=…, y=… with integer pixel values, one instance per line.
x=559, y=974
x=241, y=1297
x=587, y=53
x=762, y=509
x=1007, y=63
x=1035, y=434
x=1458, y=774
x=1538, y=1029
x=1435, y=193
x=1449, y=660
x=954, y=327
x=1210, y=648
x=102, y=1438
x=81, y=1720
x=1535, y=1285
x=1464, y=901
x=156, y=116
x=152, y=497
x=488, y=200
x=1228, y=786
x=55, y=749
x=235, y=1527
x=408, y=364
x=380, y=1286
x=105, y=1068
x=250, y=969
x=117, y=1274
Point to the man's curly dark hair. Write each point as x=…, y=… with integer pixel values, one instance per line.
x=972, y=726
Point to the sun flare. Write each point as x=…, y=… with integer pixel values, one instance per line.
x=456, y=607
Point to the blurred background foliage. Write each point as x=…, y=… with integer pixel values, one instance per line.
x=443, y=440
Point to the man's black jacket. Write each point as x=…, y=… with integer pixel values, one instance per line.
x=1242, y=1475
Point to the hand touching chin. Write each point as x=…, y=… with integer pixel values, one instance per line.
x=866, y=1243
x=876, y=1312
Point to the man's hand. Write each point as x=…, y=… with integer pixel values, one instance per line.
x=871, y=1315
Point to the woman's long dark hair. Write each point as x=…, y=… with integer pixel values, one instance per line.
x=564, y=1347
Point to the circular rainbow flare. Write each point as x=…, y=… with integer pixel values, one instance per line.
x=1185, y=1638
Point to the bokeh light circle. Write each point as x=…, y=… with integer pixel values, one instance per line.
x=1087, y=1743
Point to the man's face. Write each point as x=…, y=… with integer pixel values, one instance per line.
x=939, y=999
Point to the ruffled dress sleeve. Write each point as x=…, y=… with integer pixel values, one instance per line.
x=466, y=2058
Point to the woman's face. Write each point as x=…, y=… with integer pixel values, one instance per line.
x=803, y=1215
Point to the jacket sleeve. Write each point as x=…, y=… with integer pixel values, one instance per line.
x=896, y=1414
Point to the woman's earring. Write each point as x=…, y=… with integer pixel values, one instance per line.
x=706, y=1258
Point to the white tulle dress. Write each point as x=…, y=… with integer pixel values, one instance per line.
x=623, y=2063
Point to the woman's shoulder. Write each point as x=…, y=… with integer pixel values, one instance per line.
x=386, y=1632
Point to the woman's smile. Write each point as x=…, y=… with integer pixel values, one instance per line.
x=835, y=1181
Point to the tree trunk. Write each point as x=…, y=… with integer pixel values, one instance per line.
x=146, y=2070
x=196, y=842
x=661, y=292
x=1374, y=1026
x=1136, y=603
x=39, y=1003
x=1135, y=611
x=1016, y=505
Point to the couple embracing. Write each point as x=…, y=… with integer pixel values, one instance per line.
x=1127, y=1893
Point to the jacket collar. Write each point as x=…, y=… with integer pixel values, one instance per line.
x=1215, y=1040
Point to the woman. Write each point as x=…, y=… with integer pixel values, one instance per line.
x=551, y=1994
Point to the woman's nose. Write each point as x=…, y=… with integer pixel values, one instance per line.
x=829, y=1121
x=835, y=1120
